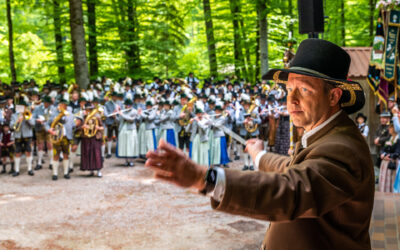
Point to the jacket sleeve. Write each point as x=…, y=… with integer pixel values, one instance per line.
x=328, y=177
x=271, y=162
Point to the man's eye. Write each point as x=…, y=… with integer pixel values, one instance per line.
x=304, y=89
x=289, y=89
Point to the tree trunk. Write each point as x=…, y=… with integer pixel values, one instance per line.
x=262, y=14
x=343, y=23
x=247, y=67
x=59, y=43
x=290, y=13
x=78, y=44
x=132, y=52
x=11, y=42
x=211, y=45
x=371, y=20
x=238, y=54
x=93, y=60
x=257, y=60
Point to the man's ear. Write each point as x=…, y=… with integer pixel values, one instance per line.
x=334, y=96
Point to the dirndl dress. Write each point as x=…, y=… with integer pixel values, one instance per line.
x=127, y=143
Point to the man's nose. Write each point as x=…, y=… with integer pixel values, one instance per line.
x=293, y=97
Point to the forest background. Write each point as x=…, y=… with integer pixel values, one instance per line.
x=165, y=38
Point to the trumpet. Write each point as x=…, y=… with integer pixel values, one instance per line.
x=27, y=115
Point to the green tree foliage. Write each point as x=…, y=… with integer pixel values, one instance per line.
x=143, y=38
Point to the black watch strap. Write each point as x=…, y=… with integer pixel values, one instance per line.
x=210, y=180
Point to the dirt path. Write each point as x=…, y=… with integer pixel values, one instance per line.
x=126, y=209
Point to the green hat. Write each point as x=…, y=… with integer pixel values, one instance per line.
x=64, y=101
x=128, y=102
x=82, y=99
x=47, y=99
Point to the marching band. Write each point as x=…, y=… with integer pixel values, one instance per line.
x=133, y=116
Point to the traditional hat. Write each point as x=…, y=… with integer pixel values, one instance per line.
x=385, y=114
x=219, y=106
x=47, y=99
x=89, y=105
x=361, y=115
x=128, y=102
x=199, y=107
x=325, y=60
x=64, y=101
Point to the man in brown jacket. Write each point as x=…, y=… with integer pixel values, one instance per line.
x=321, y=197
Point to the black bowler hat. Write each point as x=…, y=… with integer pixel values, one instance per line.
x=325, y=60
x=361, y=115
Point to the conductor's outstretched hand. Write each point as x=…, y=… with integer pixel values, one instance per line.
x=171, y=164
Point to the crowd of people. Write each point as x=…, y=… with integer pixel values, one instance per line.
x=63, y=122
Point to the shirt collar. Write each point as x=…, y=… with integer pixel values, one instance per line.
x=308, y=134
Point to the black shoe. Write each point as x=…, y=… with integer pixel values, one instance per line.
x=54, y=178
x=237, y=157
x=108, y=156
x=50, y=166
x=226, y=166
x=91, y=173
x=15, y=174
x=61, y=159
x=38, y=167
x=31, y=173
x=127, y=164
x=251, y=168
x=70, y=170
x=11, y=171
x=66, y=176
x=245, y=168
x=3, y=171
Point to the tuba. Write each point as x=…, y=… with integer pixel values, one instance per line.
x=185, y=120
x=92, y=122
x=251, y=126
x=58, y=127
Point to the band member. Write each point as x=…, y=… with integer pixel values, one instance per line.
x=361, y=120
x=23, y=123
x=218, y=151
x=264, y=116
x=91, y=159
x=128, y=147
x=111, y=107
x=282, y=136
x=149, y=116
x=246, y=118
x=42, y=114
x=64, y=136
x=167, y=120
x=7, y=148
x=74, y=101
x=199, y=141
x=183, y=136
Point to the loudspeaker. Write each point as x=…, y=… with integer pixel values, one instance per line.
x=311, y=16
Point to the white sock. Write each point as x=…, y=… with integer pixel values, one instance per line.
x=266, y=145
x=72, y=156
x=17, y=161
x=40, y=157
x=66, y=166
x=246, y=161
x=109, y=145
x=51, y=157
x=103, y=150
x=61, y=155
x=55, y=168
x=29, y=162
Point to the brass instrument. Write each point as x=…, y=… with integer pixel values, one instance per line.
x=58, y=127
x=109, y=92
x=27, y=116
x=91, y=122
x=72, y=87
x=185, y=120
x=250, y=126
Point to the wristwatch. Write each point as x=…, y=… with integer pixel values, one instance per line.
x=210, y=180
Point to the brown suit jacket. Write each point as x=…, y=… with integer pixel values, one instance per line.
x=321, y=198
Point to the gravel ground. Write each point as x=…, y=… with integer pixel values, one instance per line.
x=126, y=209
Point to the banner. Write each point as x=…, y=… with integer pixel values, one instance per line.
x=391, y=45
